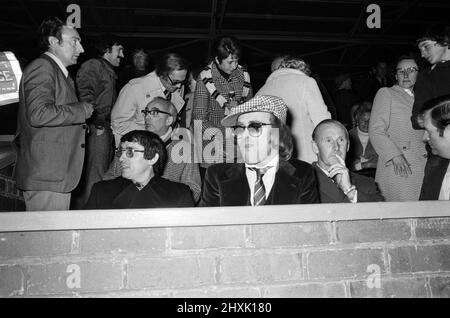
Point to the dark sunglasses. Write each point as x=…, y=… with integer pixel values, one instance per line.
x=254, y=129
x=129, y=152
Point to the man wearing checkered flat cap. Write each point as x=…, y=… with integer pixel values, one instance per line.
x=265, y=173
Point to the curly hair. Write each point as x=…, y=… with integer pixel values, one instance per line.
x=296, y=63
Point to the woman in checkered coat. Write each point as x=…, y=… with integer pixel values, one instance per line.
x=221, y=85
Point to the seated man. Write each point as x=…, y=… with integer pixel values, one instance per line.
x=268, y=175
x=160, y=116
x=362, y=157
x=436, y=122
x=336, y=182
x=142, y=157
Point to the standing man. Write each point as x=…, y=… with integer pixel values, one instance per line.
x=432, y=83
x=268, y=175
x=160, y=116
x=96, y=82
x=167, y=81
x=336, y=183
x=51, y=122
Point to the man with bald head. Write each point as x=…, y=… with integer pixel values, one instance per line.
x=336, y=182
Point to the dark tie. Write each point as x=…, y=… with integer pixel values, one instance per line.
x=167, y=95
x=259, y=197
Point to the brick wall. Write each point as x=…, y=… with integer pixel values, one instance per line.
x=368, y=258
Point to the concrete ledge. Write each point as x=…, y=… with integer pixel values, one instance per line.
x=149, y=218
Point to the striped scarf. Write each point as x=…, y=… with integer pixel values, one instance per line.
x=206, y=77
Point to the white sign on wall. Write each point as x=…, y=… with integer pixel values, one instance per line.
x=10, y=75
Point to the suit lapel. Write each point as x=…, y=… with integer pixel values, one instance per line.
x=285, y=186
x=235, y=190
x=329, y=192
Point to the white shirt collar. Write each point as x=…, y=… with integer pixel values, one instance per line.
x=167, y=134
x=58, y=61
x=268, y=178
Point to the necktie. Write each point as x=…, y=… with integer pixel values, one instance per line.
x=168, y=95
x=259, y=197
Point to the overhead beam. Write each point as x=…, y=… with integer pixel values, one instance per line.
x=94, y=13
x=355, y=28
x=183, y=33
x=28, y=13
x=176, y=46
x=212, y=26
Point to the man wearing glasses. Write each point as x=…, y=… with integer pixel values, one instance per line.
x=265, y=174
x=166, y=81
x=160, y=116
x=433, y=82
x=142, y=157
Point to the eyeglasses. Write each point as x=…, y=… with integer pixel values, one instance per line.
x=154, y=112
x=254, y=129
x=407, y=71
x=129, y=152
x=175, y=82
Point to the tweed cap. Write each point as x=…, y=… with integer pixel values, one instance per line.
x=259, y=103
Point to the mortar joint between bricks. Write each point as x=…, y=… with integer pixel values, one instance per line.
x=169, y=238
x=386, y=260
x=333, y=235
x=413, y=225
x=248, y=236
x=428, y=287
x=304, y=261
x=124, y=273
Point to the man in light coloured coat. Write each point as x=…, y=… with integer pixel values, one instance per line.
x=166, y=81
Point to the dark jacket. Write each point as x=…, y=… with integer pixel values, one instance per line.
x=50, y=129
x=227, y=185
x=96, y=83
x=331, y=193
x=431, y=84
x=121, y=193
x=356, y=150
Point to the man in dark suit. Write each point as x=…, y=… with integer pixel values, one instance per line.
x=142, y=157
x=336, y=182
x=265, y=173
x=51, y=122
x=436, y=122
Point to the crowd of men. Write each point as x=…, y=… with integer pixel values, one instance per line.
x=84, y=145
